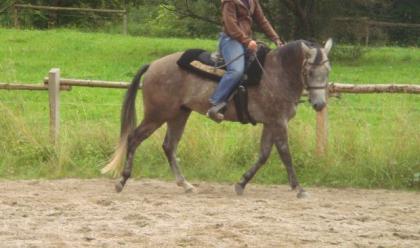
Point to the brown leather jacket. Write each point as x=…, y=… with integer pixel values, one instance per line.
x=238, y=18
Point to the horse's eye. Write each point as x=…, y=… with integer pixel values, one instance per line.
x=311, y=73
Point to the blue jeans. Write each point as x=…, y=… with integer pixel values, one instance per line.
x=230, y=50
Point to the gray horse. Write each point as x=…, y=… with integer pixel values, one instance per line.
x=171, y=93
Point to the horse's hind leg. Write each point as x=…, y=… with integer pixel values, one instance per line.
x=173, y=135
x=142, y=132
x=282, y=144
x=266, y=146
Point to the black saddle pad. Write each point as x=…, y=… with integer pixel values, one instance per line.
x=199, y=62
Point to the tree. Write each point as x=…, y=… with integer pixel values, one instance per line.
x=295, y=18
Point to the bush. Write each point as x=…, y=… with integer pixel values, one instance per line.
x=347, y=53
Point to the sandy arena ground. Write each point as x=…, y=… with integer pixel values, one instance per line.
x=149, y=213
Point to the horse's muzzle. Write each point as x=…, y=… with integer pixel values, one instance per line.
x=319, y=106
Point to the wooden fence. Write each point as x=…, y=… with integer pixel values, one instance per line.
x=367, y=23
x=54, y=84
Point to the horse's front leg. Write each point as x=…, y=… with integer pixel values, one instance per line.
x=282, y=145
x=266, y=146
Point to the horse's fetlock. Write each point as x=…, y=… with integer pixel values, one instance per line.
x=239, y=189
x=180, y=182
x=246, y=177
x=295, y=186
x=126, y=174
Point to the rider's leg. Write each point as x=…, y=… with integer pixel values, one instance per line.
x=231, y=51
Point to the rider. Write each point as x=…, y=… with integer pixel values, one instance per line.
x=238, y=16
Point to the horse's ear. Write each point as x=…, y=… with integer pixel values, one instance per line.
x=309, y=52
x=328, y=46
x=305, y=48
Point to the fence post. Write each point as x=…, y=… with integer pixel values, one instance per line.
x=125, y=23
x=322, y=131
x=54, y=102
x=367, y=30
x=15, y=16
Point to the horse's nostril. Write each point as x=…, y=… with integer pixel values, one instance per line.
x=318, y=106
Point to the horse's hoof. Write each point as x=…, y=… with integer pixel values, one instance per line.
x=190, y=190
x=239, y=189
x=302, y=194
x=119, y=187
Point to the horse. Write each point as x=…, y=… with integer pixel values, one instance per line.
x=170, y=94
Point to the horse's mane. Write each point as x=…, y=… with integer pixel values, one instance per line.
x=290, y=58
x=293, y=49
x=291, y=54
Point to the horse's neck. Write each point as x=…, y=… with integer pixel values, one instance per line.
x=286, y=76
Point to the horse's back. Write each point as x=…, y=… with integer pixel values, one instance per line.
x=168, y=87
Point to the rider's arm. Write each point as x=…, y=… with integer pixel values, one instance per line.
x=264, y=24
x=230, y=21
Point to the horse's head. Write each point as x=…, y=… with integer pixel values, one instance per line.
x=315, y=71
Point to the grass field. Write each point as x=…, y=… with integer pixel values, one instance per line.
x=374, y=140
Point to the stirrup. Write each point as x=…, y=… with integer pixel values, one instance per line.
x=214, y=112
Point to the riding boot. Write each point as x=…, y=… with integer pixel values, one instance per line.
x=214, y=112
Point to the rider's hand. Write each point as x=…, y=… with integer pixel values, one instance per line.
x=252, y=46
x=279, y=43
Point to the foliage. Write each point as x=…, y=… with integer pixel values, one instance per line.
x=164, y=22
x=45, y=19
x=293, y=19
x=347, y=53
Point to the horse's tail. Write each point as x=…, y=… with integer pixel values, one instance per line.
x=128, y=123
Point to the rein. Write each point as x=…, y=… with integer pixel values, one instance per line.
x=230, y=62
x=260, y=64
x=304, y=71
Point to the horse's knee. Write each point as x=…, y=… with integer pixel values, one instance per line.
x=166, y=148
x=282, y=146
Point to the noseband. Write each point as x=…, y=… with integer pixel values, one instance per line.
x=305, y=75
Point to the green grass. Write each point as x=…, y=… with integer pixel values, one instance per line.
x=374, y=140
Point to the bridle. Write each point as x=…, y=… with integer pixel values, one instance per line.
x=305, y=75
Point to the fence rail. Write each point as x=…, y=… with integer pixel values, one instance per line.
x=367, y=23
x=374, y=88
x=54, y=84
x=15, y=86
x=40, y=7
x=92, y=83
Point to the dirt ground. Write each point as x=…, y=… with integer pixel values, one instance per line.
x=150, y=213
